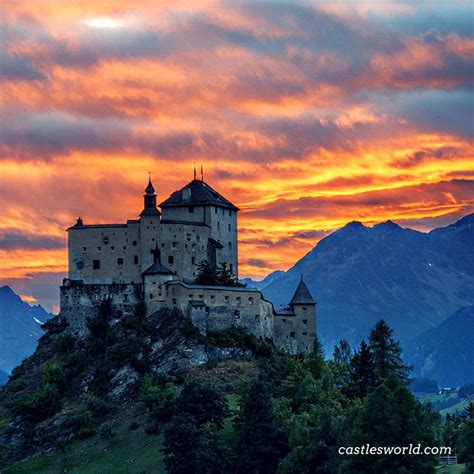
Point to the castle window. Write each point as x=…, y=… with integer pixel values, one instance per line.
x=79, y=265
x=134, y=243
x=191, y=209
x=112, y=248
x=226, y=298
x=151, y=296
x=218, y=225
x=228, y=227
x=188, y=237
x=305, y=322
x=99, y=249
x=292, y=335
x=135, y=259
x=212, y=297
x=175, y=301
x=120, y=261
x=191, y=297
x=84, y=249
x=238, y=299
x=96, y=264
x=125, y=247
x=284, y=320
x=304, y=308
x=305, y=334
x=216, y=209
x=170, y=259
x=193, y=260
x=174, y=244
x=230, y=213
x=201, y=297
x=251, y=299
x=198, y=238
x=257, y=317
x=237, y=313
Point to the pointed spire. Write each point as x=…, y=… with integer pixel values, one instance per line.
x=302, y=294
x=202, y=174
x=149, y=189
x=194, y=171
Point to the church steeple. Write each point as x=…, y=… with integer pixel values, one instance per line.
x=150, y=200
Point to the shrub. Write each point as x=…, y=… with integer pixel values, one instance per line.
x=106, y=430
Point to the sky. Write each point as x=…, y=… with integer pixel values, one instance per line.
x=306, y=115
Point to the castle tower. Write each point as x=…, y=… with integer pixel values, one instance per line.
x=150, y=219
x=149, y=198
x=303, y=306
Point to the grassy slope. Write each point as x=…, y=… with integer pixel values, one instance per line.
x=127, y=451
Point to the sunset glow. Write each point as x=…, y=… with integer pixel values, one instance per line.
x=305, y=115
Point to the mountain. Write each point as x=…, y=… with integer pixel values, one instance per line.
x=360, y=274
x=262, y=283
x=20, y=328
x=446, y=352
x=3, y=377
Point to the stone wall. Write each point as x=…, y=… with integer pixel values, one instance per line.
x=78, y=302
x=216, y=308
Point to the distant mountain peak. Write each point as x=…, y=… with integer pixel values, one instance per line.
x=387, y=225
x=6, y=290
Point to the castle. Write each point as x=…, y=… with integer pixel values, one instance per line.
x=155, y=260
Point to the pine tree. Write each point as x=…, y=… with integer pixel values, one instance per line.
x=386, y=354
x=260, y=442
x=341, y=364
x=362, y=372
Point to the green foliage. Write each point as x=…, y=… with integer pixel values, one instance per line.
x=386, y=354
x=260, y=440
x=98, y=325
x=362, y=373
x=158, y=400
x=466, y=443
x=391, y=416
x=216, y=276
x=191, y=440
x=106, y=430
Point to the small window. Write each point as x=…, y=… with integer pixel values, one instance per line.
x=112, y=248
x=84, y=249
x=134, y=243
x=193, y=260
x=226, y=298
x=174, y=244
x=135, y=259
x=171, y=259
x=191, y=209
x=292, y=335
x=212, y=297
x=228, y=227
x=120, y=261
x=96, y=264
x=304, y=308
x=218, y=225
x=250, y=299
x=215, y=209
x=305, y=322
x=99, y=249
x=125, y=247
x=238, y=299
x=151, y=296
x=305, y=334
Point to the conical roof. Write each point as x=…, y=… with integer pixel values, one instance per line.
x=302, y=295
x=150, y=189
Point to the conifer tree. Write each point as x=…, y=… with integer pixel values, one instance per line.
x=260, y=442
x=362, y=372
x=386, y=354
x=341, y=364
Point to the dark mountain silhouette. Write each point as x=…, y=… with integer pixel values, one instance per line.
x=360, y=274
x=3, y=377
x=446, y=352
x=20, y=328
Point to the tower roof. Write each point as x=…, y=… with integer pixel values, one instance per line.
x=302, y=295
x=150, y=189
x=157, y=269
x=197, y=193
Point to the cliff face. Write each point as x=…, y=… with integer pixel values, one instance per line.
x=49, y=397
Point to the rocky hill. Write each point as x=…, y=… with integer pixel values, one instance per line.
x=70, y=385
x=20, y=328
x=360, y=274
x=446, y=352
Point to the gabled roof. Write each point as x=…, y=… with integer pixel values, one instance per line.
x=197, y=193
x=302, y=295
x=157, y=269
